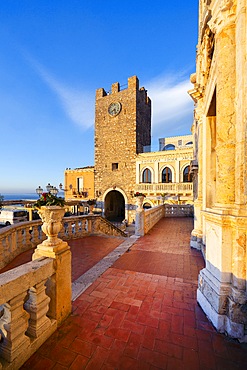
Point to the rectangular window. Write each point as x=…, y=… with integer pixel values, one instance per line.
x=79, y=184
x=180, y=142
x=114, y=166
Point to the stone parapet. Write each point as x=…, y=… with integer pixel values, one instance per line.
x=25, y=323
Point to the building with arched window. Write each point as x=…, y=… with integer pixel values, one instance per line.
x=165, y=175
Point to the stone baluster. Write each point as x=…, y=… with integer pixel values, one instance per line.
x=91, y=225
x=37, y=306
x=19, y=237
x=13, y=325
x=78, y=226
x=35, y=235
x=1, y=251
x=27, y=237
x=84, y=227
x=63, y=232
x=69, y=228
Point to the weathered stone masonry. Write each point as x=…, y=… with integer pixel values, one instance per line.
x=119, y=137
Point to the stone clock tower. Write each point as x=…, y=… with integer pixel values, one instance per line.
x=122, y=130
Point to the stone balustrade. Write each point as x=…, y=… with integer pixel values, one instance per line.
x=25, y=321
x=21, y=237
x=152, y=216
x=168, y=188
x=182, y=210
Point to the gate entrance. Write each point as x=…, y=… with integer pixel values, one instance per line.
x=114, y=206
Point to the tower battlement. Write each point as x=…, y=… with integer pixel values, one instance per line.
x=132, y=85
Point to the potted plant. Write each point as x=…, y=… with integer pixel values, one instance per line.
x=137, y=194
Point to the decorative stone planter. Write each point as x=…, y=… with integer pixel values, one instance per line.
x=51, y=217
x=91, y=207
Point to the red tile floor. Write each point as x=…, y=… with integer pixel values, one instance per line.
x=142, y=314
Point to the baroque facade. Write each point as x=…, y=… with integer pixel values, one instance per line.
x=165, y=175
x=219, y=164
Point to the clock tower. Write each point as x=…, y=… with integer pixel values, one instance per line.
x=122, y=130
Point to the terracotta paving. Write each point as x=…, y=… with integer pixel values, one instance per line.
x=142, y=314
x=86, y=252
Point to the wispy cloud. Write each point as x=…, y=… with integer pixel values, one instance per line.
x=172, y=108
x=171, y=105
x=78, y=105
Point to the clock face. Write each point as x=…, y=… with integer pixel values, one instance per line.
x=114, y=108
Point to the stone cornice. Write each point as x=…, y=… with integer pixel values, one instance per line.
x=224, y=15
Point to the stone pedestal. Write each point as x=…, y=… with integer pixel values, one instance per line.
x=139, y=222
x=59, y=285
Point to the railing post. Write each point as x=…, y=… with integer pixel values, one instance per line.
x=14, y=324
x=140, y=214
x=59, y=284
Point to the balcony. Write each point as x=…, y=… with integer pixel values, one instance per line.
x=170, y=188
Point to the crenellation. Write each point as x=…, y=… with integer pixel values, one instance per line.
x=100, y=93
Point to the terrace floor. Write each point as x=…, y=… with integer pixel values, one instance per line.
x=141, y=313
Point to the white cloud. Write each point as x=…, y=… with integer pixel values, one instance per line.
x=172, y=107
x=78, y=105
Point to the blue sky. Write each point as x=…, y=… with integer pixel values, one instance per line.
x=55, y=54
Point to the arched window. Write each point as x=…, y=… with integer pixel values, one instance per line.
x=186, y=174
x=146, y=176
x=166, y=175
x=169, y=147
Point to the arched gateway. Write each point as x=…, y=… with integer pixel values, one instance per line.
x=114, y=206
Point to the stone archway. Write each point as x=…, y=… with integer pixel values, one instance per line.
x=114, y=206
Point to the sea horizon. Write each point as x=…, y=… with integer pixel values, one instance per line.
x=24, y=196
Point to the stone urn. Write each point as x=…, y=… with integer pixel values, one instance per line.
x=139, y=202
x=51, y=217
